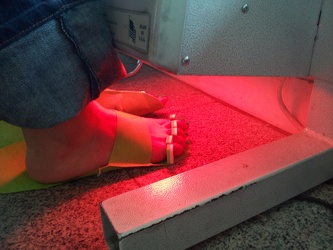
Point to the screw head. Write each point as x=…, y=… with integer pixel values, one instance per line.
x=186, y=61
x=245, y=8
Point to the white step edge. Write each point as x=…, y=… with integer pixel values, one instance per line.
x=180, y=211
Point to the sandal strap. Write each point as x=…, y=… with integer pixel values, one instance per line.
x=132, y=145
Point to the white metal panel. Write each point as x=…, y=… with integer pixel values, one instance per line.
x=320, y=118
x=274, y=38
x=322, y=65
x=165, y=30
x=185, y=209
x=270, y=38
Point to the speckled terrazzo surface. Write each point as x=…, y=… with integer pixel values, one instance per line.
x=67, y=216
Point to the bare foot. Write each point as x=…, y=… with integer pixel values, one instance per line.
x=84, y=143
x=132, y=102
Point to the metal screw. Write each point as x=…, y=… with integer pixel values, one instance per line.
x=186, y=61
x=245, y=8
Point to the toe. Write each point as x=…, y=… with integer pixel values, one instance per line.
x=180, y=141
x=162, y=127
x=180, y=124
x=178, y=150
x=163, y=100
x=179, y=133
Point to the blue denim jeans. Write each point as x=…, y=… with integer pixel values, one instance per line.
x=54, y=59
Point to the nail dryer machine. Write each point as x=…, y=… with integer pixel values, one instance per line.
x=272, y=59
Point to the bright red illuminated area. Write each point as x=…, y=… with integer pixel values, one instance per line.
x=281, y=101
x=226, y=116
